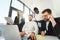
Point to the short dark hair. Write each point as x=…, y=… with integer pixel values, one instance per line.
x=30, y=15
x=35, y=8
x=47, y=10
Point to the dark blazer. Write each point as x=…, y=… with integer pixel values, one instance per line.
x=16, y=22
x=51, y=31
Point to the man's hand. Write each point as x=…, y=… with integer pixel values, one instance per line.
x=33, y=37
x=51, y=18
x=22, y=33
x=43, y=33
x=19, y=22
x=10, y=23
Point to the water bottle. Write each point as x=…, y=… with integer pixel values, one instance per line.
x=1, y=34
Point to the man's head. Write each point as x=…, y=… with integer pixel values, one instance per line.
x=19, y=13
x=36, y=10
x=30, y=17
x=46, y=14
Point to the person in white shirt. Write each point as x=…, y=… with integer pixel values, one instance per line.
x=37, y=18
x=30, y=29
x=37, y=15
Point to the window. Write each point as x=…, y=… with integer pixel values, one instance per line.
x=25, y=14
x=4, y=9
x=16, y=4
x=31, y=13
x=14, y=14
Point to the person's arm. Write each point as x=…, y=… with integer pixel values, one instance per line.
x=56, y=25
x=51, y=18
x=16, y=20
x=43, y=28
x=34, y=33
x=23, y=21
x=36, y=28
x=24, y=27
x=9, y=23
x=23, y=31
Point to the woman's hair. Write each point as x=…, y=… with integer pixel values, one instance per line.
x=19, y=11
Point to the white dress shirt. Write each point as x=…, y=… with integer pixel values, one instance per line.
x=37, y=17
x=20, y=19
x=47, y=23
x=30, y=27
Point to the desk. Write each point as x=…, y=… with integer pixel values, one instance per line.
x=48, y=38
x=44, y=38
x=1, y=38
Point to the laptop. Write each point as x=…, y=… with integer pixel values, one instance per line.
x=8, y=19
x=10, y=32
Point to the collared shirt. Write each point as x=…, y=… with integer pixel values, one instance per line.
x=20, y=19
x=30, y=27
x=37, y=17
x=47, y=23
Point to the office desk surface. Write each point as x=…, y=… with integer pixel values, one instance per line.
x=2, y=38
x=47, y=38
x=44, y=38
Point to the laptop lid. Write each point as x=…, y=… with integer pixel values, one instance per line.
x=10, y=32
x=8, y=19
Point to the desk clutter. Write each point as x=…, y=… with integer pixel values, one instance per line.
x=39, y=37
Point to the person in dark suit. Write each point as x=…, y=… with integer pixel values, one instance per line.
x=19, y=20
x=49, y=24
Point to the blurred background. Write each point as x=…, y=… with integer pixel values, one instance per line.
x=10, y=7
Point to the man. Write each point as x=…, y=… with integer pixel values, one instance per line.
x=50, y=25
x=29, y=30
x=37, y=16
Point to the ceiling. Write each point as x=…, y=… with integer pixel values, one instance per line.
x=54, y=5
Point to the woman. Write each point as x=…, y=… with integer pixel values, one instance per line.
x=19, y=20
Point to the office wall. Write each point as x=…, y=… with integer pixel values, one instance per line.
x=4, y=9
x=41, y=4
x=54, y=5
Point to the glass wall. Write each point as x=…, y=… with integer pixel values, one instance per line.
x=16, y=4
x=4, y=10
x=26, y=13
x=20, y=6
x=14, y=14
x=10, y=8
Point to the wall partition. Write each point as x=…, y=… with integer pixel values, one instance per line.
x=16, y=5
